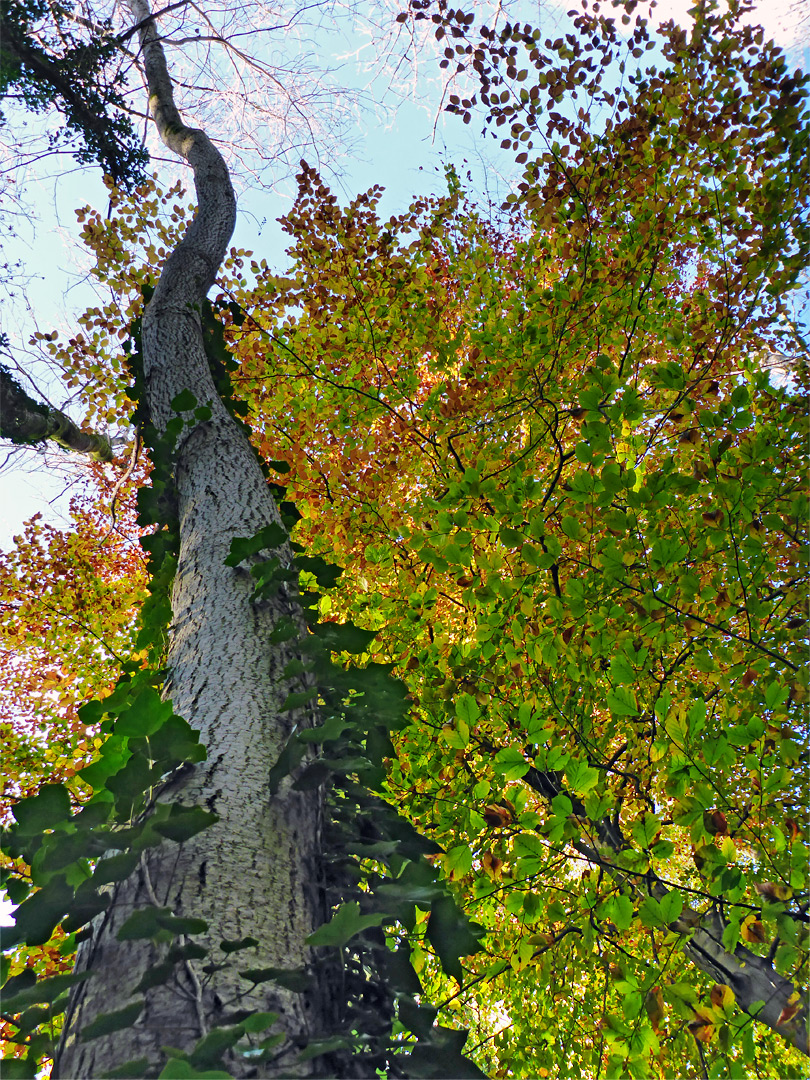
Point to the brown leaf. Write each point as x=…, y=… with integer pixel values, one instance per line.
x=702, y=1027
x=721, y=996
x=497, y=817
x=753, y=931
x=654, y=1004
x=789, y=1011
x=793, y=829
x=714, y=822
x=713, y=517
x=770, y=890
x=493, y=866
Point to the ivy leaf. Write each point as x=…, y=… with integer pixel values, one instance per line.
x=182, y=1069
x=343, y=926
x=295, y=979
x=36, y=918
x=150, y=922
x=259, y=1021
x=184, y=822
x=44, y=991
x=229, y=947
x=452, y=935
x=107, y=1023
x=184, y=401
x=270, y=538
x=344, y=637
x=145, y=715
x=43, y=810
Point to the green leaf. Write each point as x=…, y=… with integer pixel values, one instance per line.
x=181, y=1069
x=115, y=867
x=109, y=1022
x=184, y=401
x=439, y=1055
x=270, y=538
x=130, y=1070
x=661, y=913
x=619, y=909
x=452, y=935
x=175, y=743
x=259, y=1021
x=229, y=947
x=344, y=637
x=36, y=918
x=43, y=992
x=211, y=1047
x=177, y=924
x=142, y=923
x=318, y=1047
x=622, y=702
x=326, y=574
x=297, y=700
x=458, y=860
x=510, y=763
x=145, y=715
x=295, y=979
x=467, y=709
x=417, y=1018
x=184, y=822
x=581, y=777
x=645, y=830
x=156, y=975
x=344, y=924
x=671, y=906
x=43, y=810
x=18, y=1068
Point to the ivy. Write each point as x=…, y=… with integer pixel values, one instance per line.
x=69, y=853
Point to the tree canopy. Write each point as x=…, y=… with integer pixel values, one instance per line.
x=543, y=441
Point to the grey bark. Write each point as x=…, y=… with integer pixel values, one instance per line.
x=256, y=873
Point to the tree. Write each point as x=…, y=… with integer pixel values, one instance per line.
x=569, y=502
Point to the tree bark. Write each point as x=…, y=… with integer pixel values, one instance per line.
x=256, y=872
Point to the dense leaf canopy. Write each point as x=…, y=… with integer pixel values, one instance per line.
x=545, y=443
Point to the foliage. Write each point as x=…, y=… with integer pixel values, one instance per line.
x=570, y=504
x=44, y=60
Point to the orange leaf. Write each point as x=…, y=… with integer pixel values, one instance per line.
x=787, y=1014
x=497, y=817
x=493, y=866
x=753, y=931
x=721, y=996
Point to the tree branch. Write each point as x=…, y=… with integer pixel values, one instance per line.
x=26, y=421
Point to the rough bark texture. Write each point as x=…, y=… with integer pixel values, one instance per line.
x=257, y=872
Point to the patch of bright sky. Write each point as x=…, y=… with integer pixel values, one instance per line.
x=402, y=151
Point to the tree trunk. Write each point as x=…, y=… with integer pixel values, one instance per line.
x=256, y=872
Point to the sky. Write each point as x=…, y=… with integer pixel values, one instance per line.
x=402, y=150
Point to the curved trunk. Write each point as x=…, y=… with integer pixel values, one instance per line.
x=256, y=873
